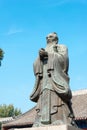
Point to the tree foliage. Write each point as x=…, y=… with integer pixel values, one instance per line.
x=9, y=111
x=1, y=55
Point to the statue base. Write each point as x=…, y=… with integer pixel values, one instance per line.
x=55, y=127
x=59, y=127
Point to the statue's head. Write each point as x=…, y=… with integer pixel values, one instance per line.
x=52, y=37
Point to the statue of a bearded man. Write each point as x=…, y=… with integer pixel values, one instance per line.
x=51, y=91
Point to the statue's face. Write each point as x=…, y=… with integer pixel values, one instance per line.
x=51, y=38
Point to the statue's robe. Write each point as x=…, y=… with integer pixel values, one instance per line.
x=51, y=90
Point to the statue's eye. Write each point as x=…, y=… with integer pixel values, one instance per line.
x=50, y=36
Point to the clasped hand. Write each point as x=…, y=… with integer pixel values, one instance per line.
x=43, y=53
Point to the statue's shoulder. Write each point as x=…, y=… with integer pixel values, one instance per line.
x=62, y=47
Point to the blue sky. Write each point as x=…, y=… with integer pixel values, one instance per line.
x=24, y=25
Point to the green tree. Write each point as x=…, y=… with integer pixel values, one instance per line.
x=1, y=55
x=9, y=111
x=0, y=125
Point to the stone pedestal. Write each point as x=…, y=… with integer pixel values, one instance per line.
x=49, y=127
x=60, y=127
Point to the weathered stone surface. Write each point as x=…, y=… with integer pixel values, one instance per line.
x=51, y=91
x=60, y=127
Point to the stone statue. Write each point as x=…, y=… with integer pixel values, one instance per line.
x=51, y=91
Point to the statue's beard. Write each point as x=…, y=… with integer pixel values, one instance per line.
x=52, y=41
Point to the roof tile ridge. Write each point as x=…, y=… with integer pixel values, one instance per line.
x=79, y=92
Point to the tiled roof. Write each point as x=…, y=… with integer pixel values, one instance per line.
x=25, y=119
x=79, y=92
x=6, y=119
x=79, y=104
